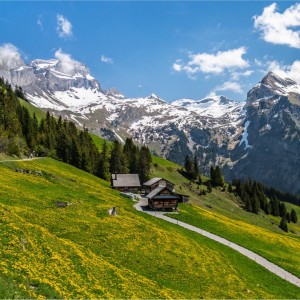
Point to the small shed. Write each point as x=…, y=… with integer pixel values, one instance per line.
x=153, y=183
x=126, y=182
x=162, y=197
x=183, y=198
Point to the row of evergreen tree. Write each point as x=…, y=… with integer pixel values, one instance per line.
x=254, y=198
x=129, y=159
x=250, y=192
x=21, y=133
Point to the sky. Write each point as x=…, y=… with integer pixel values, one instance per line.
x=188, y=49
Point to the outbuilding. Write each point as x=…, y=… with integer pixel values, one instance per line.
x=126, y=182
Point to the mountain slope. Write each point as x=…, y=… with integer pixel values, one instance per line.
x=81, y=251
x=245, y=139
x=268, y=151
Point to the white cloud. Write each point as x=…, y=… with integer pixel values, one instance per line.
x=39, y=22
x=64, y=27
x=213, y=63
x=277, y=28
x=292, y=71
x=106, y=60
x=176, y=67
x=229, y=86
x=10, y=56
x=67, y=63
x=238, y=75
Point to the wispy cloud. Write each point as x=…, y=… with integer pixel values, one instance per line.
x=279, y=28
x=237, y=75
x=10, y=56
x=212, y=63
x=106, y=59
x=227, y=86
x=64, y=27
x=39, y=22
x=67, y=63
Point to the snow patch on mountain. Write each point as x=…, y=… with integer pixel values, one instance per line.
x=215, y=106
x=245, y=136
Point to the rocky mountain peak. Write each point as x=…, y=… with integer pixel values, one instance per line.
x=272, y=86
x=277, y=83
x=153, y=96
x=114, y=92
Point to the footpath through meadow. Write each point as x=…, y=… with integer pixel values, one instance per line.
x=142, y=206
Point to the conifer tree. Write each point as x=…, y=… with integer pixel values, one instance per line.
x=282, y=209
x=145, y=164
x=294, y=217
x=103, y=171
x=117, y=159
x=188, y=165
x=288, y=217
x=212, y=175
x=255, y=204
x=195, y=170
x=219, y=178
x=283, y=225
x=131, y=153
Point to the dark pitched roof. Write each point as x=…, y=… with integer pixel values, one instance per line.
x=125, y=180
x=154, y=180
x=158, y=190
x=155, y=192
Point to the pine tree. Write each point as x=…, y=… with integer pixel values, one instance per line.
x=131, y=153
x=209, y=187
x=103, y=171
x=212, y=175
x=219, y=178
x=274, y=206
x=230, y=190
x=247, y=201
x=117, y=159
x=283, y=225
x=145, y=164
x=266, y=208
x=255, y=204
x=294, y=217
x=288, y=217
x=195, y=168
x=282, y=209
x=188, y=165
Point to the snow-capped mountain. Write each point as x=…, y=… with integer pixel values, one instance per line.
x=214, y=106
x=259, y=138
x=272, y=85
x=271, y=136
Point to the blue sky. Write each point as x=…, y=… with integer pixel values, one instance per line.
x=173, y=49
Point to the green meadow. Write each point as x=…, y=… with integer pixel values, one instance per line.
x=80, y=251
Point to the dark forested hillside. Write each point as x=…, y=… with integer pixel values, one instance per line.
x=22, y=134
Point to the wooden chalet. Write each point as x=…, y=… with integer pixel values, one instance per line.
x=126, y=182
x=153, y=183
x=161, y=195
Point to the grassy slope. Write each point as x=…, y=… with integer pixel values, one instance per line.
x=33, y=109
x=82, y=252
x=220, y=213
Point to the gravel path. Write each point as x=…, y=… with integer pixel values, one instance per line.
x=141, y=206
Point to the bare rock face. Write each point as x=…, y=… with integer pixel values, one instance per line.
x=273, y=136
